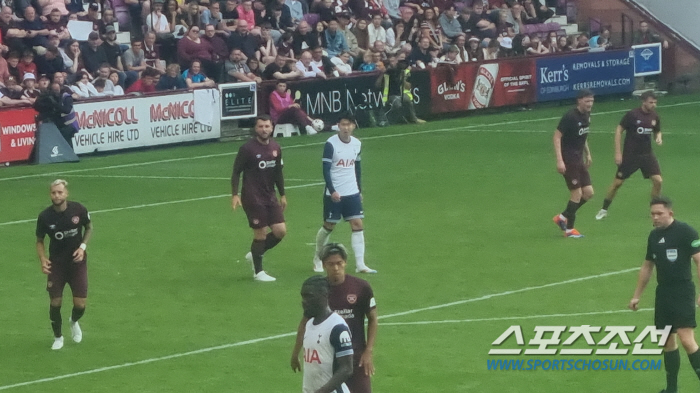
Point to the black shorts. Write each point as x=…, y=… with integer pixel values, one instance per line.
x=576, y=175
x=261, y=216
x=675, y=306
x=358, y=382
x=67, y=272
x=647, y=163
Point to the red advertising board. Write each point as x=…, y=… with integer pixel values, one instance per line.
x=474, y=86
x=17, y=128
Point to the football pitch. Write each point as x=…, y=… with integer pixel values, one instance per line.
x=458, y=224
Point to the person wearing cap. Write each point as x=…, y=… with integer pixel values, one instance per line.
x=50, y=62
x=13, y=89
x=43, y=83
x=30, y=92
x=93, y=53
x=92, y=15
x=474, y=50
x=114, y=53
x=350, y=38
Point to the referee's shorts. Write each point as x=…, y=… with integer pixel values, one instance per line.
x=675, y=306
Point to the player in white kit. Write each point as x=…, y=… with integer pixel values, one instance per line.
x=343, y=198
x=328, y=350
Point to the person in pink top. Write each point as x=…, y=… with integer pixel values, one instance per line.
x=283, y=109
x=245, y=12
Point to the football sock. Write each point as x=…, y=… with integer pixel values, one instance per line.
x=322, y=239
x=55, y=316
x=257, y=249
x=271, y=241
x=581, y=203
x=357, y=239
x=695, y=362
x=672, y=361
x=606, y=203
x=77, y=314
x=570, y=214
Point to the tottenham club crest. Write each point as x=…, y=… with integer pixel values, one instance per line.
x=352, y=298
x=274, y=153
x=75, y=220
x=672, y=254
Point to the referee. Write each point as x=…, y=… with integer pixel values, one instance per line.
x=670, y=247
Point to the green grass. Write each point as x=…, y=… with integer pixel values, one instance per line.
x=456, y=210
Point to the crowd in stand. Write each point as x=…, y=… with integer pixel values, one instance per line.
x=179, y=44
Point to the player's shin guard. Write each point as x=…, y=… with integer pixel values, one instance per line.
x=257, y=249
x=271, y=241
x=570, y=213
x=56, y=323
x=672, y=362
x=581, y=203
x=606, y=203
x=695, y=361
x=77, y=314
x=322, y=239
x=357, y=239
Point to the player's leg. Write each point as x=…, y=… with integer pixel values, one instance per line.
x=277, y=232
x=656, y=182
x=353, y=213
x=79, y=287
x=567, y=218
x=55, y=282
x=651, y=170
x=609, y=196
x=56, y=322
x=331, y=216
x=359, y=382
x=255, y=256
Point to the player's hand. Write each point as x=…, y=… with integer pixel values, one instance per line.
x=634, y=304
x=561, y=168
x=589, y=161
x=658, y=140
x=335, y=196
x=283, y=202
x=296, y=366
x=78, y=255
x=367, y=363
x=235, y=202
x=45, y=266
x=618, y=158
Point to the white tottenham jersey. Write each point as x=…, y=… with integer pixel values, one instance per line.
x=342, y=157
x=323, y=343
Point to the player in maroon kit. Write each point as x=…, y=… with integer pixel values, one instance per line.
x=638, y=124
x=64, y=222
x=573, y=159
x=353, y=299
x=260, y=161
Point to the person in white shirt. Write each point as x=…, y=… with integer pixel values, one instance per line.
x=156, y=21
x=343, y=66
x=328, y=350
x=343, y=198
x=376, y=31
x=307, y=67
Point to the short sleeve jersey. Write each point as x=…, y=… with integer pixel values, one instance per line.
x=342, y=157
x=639, y=126
x=353, y=300
x=64, y=228
x=259, y=164
x=671, y=250
x=574, y=127
x=323, y=344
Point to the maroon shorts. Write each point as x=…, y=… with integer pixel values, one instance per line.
x=359, y=382
x=576, y=175
x=647, y=163
x=261, y=216
x=67, y=272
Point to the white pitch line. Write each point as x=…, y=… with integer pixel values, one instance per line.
x=171, y=177
x=462, y=128
x=257, y=340
x=578, y=314
x=116, y=209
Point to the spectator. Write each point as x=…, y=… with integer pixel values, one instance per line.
x=297, y=10
x=135, y=58
x=325, y=11
x=503, y=27
x=307, y=68
x=146, y=84
x=92, y=15
x=380, y=48
x=378, y=61
x=267, y=51
x=280, y=20
x=156, y=20
x=367, y=64
x=12, y=33
x=195, y=78
x=113, y=50
x=563, y=44
x=43, y=83
x=375, y=31
x=318, y=36
x=283, y=109
x=117, y=89
x=103, y=73
x=492, y=50
x=12, y=89
x=397, y=32
x=83, y=87
x=172, y=80
x=540, y=10
x=434, y=32
x=280, y=70
x=462, y=50
x=335, y=41
x=343, y=21
x=420, y=57
x=601, y=41
x=50, y=62
x=36, y=33
x=151, y=52
x=343, y=64
x=192, y=15
x=303, y=38
x=254, y=67
x=449, y=24
x=56, y=24
x=392, y=9
x=243, y=40
x=30, y=92
x=218, y=45
x=192, y=47
x=93, y=53
x=13, y=64
x=581, y=43
x=108, y=19
x=99, y=85
x=4, y=72
x=451, y=56
x=6, y=100
x=285, y=46
x=643, y=36
x=212, y=16
x=246, y=13
x=480, y=23
x=322, y=62
x=174, y=16
x=362, y=34
x=27, y=64
x=60, y=79
x=237, y=70
x=229, y=12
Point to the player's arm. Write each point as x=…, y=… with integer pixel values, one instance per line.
x=587, y=151
x=238, y=166
x=79, y=254
x=41, y=253
x=644, y=276
x=358, y=172
x=298, y=344
x=618, y=144
x=327, y=164
x=366, y=361
x=341, y=342
x=279, y=181
x=561, y=168
x=657, y=132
